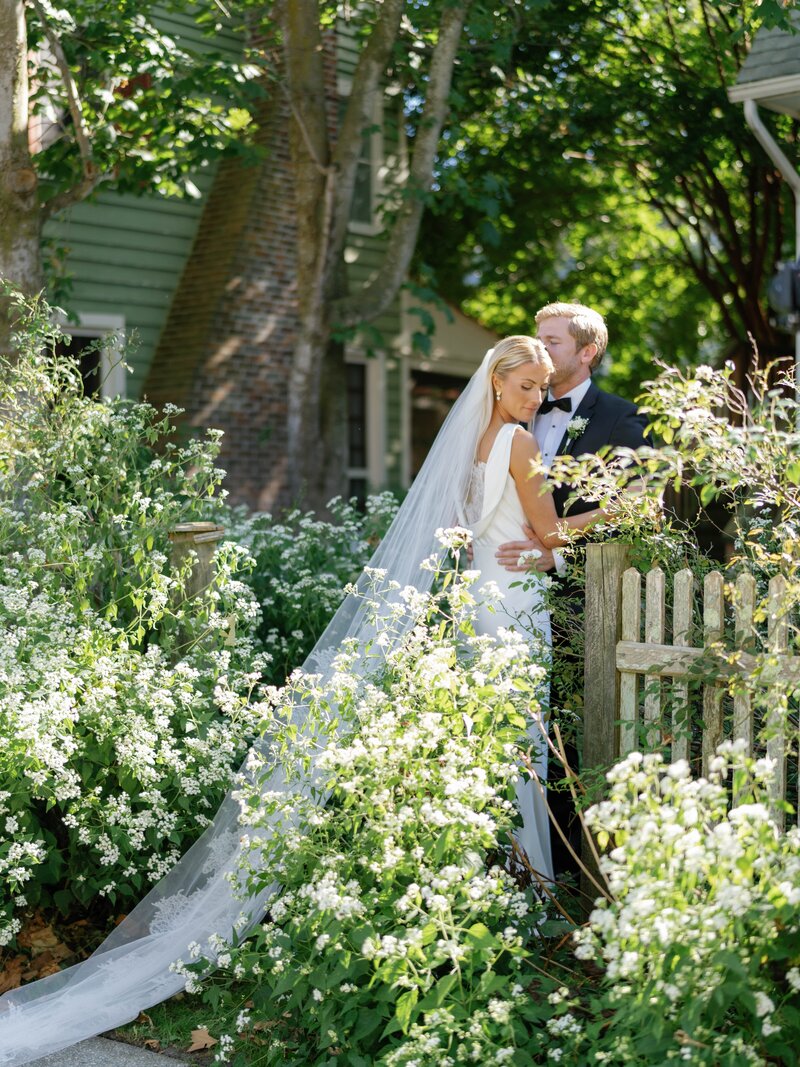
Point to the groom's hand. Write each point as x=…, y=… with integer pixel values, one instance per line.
x=508, y=554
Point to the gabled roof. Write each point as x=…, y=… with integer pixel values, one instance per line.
x=771, y=73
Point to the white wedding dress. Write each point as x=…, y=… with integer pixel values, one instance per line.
x=494, y=514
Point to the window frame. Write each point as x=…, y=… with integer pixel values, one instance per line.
x=111, y=329
x=374, y=472
x=374, y=226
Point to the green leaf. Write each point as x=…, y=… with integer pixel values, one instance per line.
x=443, y=987
x=405, y=1008
x=480, y=935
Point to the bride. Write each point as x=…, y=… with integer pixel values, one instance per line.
x=477, y=472
x=504, y=495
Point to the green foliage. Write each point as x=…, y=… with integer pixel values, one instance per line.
x=125, y=704
x=156, y=104
x=391, y=939
x=302, y=565
x=601, y=161
x=700, y=944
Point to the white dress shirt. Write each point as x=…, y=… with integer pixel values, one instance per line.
x=549, y=429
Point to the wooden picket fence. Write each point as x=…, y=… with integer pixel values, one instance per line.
x=636, y=676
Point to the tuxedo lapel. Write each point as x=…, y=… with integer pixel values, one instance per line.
x=585, y=410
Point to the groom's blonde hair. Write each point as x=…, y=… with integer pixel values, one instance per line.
x=586, y=325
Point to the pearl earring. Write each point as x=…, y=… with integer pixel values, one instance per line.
x=498, y=394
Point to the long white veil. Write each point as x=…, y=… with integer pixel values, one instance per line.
x=196, y=901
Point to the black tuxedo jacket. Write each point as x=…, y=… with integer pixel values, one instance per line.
x=611, y=421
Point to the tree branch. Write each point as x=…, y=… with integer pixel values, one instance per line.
x=376, y=296
x=700, y=269
x=358, y=115
x=303, y=50
x=73, y=99
x=74, y=195
x=713, y=43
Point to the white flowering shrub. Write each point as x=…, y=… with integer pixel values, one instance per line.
x=397, y=935
x=699, y=942
x=125, y=706
x=302, y=564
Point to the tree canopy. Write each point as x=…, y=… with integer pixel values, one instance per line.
x=108, y=93
x=603, y=162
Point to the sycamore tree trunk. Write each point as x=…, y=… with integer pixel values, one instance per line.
x=324, y=169
x=20, y=217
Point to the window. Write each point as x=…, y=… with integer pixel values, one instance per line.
x=363, y=194
x=85, y=351
x=432, y=396
x=363, y=210
x=357, y=474
x=101, y=366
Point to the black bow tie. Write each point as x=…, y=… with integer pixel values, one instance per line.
x=565, y=403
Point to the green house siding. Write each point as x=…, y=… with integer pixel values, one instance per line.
x=123, y=254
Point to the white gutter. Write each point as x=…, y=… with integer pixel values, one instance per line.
x=776, y=154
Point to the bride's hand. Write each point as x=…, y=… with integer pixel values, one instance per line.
x=511, y=555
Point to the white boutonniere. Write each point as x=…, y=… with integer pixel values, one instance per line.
x=575, y=427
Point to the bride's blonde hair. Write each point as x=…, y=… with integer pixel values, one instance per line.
x=507, y=354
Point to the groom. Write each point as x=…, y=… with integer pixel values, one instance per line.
x=576, y=338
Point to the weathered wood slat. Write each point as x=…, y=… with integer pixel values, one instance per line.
x=713, y=629
x=682, y=627
x=778, y=640
x=629, y=681
x=605, y=565
x=654, y=628
x=672, y=662
x=743, y=637
x=613, y=667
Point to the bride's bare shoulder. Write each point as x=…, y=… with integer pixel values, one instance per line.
x=524, y=443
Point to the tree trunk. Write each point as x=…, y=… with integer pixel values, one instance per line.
x=305, y=57
x=20, y=217
x=324, y=179
x=317, y=407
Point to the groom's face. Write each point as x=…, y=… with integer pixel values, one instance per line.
x=570, y=363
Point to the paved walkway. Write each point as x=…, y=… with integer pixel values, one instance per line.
x=100, y=1052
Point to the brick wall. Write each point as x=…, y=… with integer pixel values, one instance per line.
x=226, y=349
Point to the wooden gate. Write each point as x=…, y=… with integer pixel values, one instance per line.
x=639, y=665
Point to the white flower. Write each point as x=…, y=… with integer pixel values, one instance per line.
x=454, y=538
x=764, y=1006
x=576, y=426
x=528, y=556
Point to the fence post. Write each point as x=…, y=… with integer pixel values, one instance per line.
x=605, y=565
x=200, y=537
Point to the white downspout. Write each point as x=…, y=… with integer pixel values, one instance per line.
x=789, y=172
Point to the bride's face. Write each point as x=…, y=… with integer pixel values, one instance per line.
x=522, y=390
